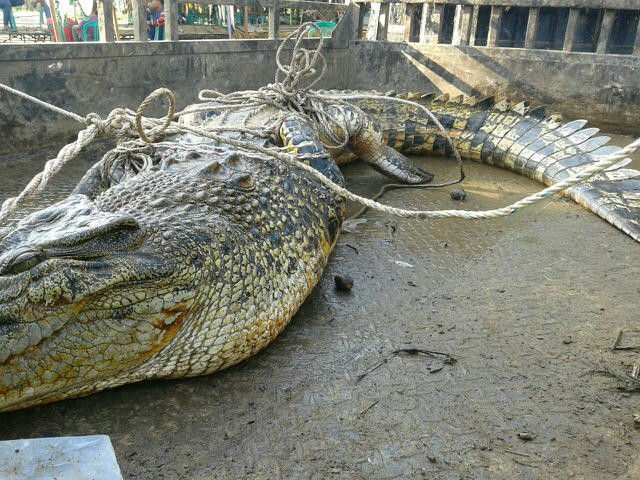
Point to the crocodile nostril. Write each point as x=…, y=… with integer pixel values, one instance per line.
x=21, y=261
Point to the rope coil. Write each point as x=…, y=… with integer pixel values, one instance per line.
x=136, y=134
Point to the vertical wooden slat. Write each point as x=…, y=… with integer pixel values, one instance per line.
x=431, y=23
x=140, y=21
x=171, y=20
x=605, y=31
x=494, y=26
x=57, y=34
x=361, y=13
x=408, y=20
x=462, y=24
x=636, y=47
x=570, y=35
x=532, y=27
x=383, y=22
x=105, y=20
x=245, y=16
x=474, y=25
x=274, y=20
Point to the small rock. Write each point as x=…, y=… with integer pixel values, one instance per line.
x=567, y=340
x=344, y=282
x=458, y=194
x=525, y=436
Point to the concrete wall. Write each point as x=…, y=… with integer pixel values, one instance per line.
x=604, y=89
x=87, y=78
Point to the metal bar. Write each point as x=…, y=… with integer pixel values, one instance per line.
x=494, y=26
x=532, y=27
x=140, y=21
x=605, y=30
x=570, y=35
x=171, y=20
x=105, y=20
x=274, y=21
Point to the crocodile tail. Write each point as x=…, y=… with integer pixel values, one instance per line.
x=526, y=140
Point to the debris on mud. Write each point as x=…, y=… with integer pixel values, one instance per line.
x=526, y=436
x=343, y=282
x=442, y=359
x=458, y=194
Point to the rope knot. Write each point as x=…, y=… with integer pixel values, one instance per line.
x=95, y=119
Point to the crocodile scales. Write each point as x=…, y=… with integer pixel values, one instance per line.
x=201, y=261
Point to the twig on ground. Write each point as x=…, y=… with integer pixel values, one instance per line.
x=445, y=359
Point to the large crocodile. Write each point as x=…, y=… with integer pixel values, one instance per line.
x=201, y=260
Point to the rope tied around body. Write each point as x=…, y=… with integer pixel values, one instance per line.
x=290, y=93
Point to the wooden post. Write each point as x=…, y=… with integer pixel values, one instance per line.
x=570, y=35
x=362, y=7
x=274, y=20
x=408, y=20
x=105, y=20
x=140, y=21
x=494, y=26
x=116, y=27
x=605, y=30
x=246, y=22
x=431, y=23
x=474, y=25
x=171, y=20
x=57, y=33
x=383, y=22
x=461, y=25
x=532, y=27
x=636, y=47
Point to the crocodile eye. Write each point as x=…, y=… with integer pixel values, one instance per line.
x=22, y=262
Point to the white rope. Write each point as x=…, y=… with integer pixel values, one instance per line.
x=136, y=133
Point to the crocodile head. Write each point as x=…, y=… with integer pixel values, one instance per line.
x=87, y=296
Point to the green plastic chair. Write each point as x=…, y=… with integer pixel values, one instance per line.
x=325, y=28
x=96, y=31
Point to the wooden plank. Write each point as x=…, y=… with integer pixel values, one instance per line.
x=636, y=47
x=171, y=33
x=431, y=23
x=140, y=21
x=57, y=33
x=494, y=26
x=532, y=27
x=605, y=30
x=361, y=13
x=383, y=22
x=409, y=14
x=105, y=21
x=474, y=25
x=301, y=4
x=570, y=35
x=462, y=24
x=274, y=21
x=115, y=25
x=246, y=22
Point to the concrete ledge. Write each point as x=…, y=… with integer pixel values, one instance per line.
x=604, y=89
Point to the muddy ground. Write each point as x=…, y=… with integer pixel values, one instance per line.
x=526, y=308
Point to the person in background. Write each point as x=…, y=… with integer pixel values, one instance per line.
x=5, y=6
x=77, y=29
x=155, y=19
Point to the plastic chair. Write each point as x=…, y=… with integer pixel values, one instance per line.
x=96, y=31
x=325, y=28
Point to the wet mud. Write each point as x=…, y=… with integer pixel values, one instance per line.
x=464, y=350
